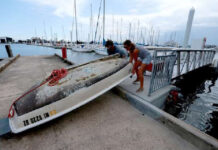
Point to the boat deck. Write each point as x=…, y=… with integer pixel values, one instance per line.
x=109, y=122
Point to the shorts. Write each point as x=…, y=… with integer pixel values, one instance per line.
x=146, y=60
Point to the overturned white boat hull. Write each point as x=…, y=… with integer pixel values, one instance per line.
x=30, y=118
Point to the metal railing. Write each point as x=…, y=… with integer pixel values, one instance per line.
x=162, y=70
x=168, y=64
x=188, y=60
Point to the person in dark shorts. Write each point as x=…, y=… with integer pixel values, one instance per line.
x=141, y=57
x=113, y=49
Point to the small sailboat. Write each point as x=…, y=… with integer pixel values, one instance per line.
x=101, y=50
x=82, y=48
x=65, y=90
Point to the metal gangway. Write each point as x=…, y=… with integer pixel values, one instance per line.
x=173, y=63
x=190, y=60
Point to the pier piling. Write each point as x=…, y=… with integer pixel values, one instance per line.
x=9, y=51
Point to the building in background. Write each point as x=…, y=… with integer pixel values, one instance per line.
x=171, y=43
x=6, y=40
x=198, y=43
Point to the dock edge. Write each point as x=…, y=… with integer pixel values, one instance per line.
x=186, y=131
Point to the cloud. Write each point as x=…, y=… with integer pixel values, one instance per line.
x=61, y=8
x=163, y=15
x=133, y=11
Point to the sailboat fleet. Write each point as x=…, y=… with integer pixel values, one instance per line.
x=96, y=39
x=88, y=47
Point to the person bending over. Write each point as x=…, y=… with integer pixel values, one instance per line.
x=141, y=57
x=113, y=49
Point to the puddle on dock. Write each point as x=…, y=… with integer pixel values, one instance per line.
x=198, y=104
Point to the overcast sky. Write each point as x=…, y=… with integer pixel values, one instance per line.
x=45, y=18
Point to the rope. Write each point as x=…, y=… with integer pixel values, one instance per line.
x=53, y=79
x=56, y=75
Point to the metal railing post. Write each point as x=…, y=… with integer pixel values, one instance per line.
x=207, y=58
x=200, y=59
x=194, y=63
x=153, y=73
x=214, y=53
x=188, y=59
x=178, y=63
x=211, y=57
x=203, y=58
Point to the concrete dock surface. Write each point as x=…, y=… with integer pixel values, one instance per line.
x=109, y=122
x=22, y=75
x=157, y=98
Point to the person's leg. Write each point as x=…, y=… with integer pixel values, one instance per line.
x=138, y=63
x=141, y=77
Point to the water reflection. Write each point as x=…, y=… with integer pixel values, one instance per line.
x=199, y=104
x=79, y=58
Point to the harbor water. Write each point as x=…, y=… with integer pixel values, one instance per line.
x=30, y=50
x=197, y=104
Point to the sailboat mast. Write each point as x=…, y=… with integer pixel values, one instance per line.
x=103, y=19
x=71, y=37
x=51, y=35
x=137, y=34
x=72, y=33
x=113, y=29
x=130, y=30
x=64, y=38
x=91, y=25
x=121, y=24
x=117, y=31
x=45, y=30
x=75, y=20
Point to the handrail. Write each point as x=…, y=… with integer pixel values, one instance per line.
x=168, y=64
x=188, y=60
x=162, y=70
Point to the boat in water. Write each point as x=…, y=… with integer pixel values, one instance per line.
x=101, y=51
x=83, y=48
x=65, y=90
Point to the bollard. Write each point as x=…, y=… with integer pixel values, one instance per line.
x=64, y=52
x=9, y=51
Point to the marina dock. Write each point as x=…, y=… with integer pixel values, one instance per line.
x=109, y=122
x=157, y=98
x=92, y=75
